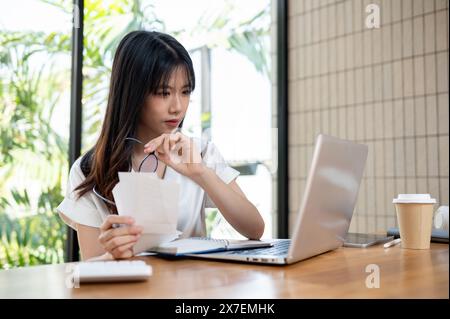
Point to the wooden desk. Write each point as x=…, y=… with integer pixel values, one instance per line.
x=337, y=274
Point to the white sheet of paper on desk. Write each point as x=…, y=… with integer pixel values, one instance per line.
x=152, y=202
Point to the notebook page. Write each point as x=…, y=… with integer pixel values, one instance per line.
x=203, y=244
x=191, y=245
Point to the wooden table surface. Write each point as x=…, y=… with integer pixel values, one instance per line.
x=337, y=274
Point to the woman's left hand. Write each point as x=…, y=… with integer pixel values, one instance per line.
x=177, y=151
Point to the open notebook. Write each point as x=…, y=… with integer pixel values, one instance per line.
x=200, y=245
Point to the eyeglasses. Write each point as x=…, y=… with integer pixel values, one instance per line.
x=149, y=164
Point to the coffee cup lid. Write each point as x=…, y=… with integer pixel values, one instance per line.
x=414, y=198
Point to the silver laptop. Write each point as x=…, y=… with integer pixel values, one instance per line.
x=326, y=211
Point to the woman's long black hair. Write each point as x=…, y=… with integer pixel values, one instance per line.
x=144, y=61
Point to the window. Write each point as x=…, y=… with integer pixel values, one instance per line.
x=34, y=98
x=229, y=104
x=229, y=42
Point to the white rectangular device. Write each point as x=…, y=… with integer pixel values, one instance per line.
x=114, y=270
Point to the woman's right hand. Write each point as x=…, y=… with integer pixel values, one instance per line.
x=119, y=241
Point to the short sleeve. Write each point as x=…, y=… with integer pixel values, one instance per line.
x=214, y=160
x=74, y=210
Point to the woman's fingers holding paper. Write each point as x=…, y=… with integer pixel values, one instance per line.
x=124, y=251
x=116, y=220
x=118, y=241
x=121, y=231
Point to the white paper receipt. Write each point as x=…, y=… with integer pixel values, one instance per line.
x=151, y=201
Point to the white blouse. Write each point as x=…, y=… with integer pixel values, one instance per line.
x=91, y=211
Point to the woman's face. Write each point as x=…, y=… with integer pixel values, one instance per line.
x=163, y=111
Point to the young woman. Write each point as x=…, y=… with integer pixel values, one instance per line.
x=151, y=82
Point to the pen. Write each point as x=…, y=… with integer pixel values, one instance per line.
x=392, y=243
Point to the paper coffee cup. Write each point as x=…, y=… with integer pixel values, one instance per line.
x=415, y=218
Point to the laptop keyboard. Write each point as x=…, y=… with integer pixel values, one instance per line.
x=279, y=248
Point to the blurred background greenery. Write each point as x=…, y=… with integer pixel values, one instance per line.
x=34, y=101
